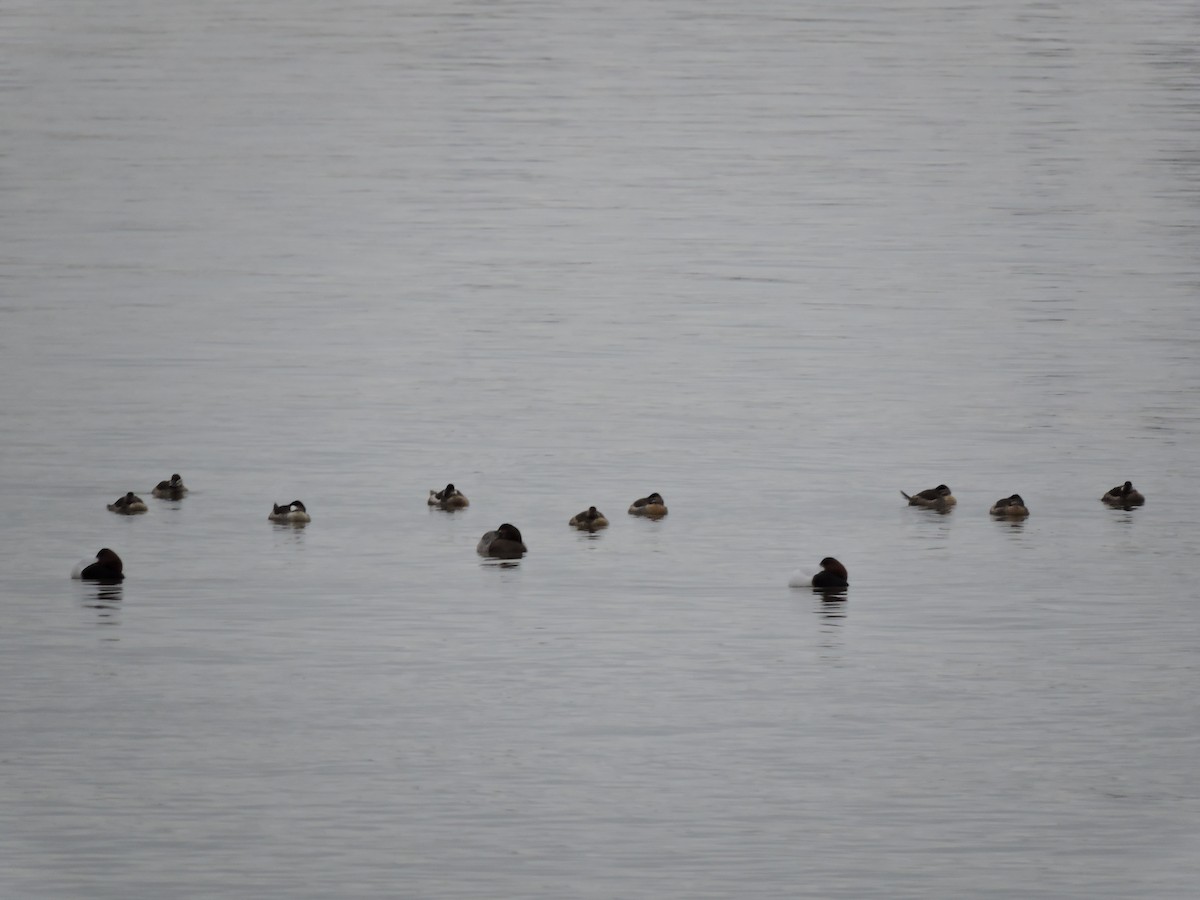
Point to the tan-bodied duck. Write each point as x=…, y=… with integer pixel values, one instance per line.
x=653, y=506
x=129, y=505
x=503, y=543
x=172, y=489
x=448, y=497
x=1124, y=495
x=589, y=520
x=1010, y=507
x=938, y=498
x=294, y=512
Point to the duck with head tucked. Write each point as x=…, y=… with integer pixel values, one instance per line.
x=1124, y=495
x=653, y=506
x=106, y=567
x=503, y=543
x=1010, y=507
x=832, y=577
x=938, y=498
x=171, y=490
x=589, y=520
x=129, y=505
x=293, y=512
x=448, y=497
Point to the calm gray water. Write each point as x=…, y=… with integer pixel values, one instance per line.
x=776, y=260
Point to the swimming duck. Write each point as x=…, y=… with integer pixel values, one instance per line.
x=293, y=512
x=503, y=543
x=1124, y=495
x=653, y=506
x=128, y=505
x=589, y=520
x=1012, y=507
x=832, y=575
x=448, y=497
x=172, y=490
x=933, y=498
x=106, y=567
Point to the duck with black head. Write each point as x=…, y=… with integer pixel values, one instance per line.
x=1125, y=495
x=172, y=489
x=448, y=497
x=1010, y=507
x=938, y=498
x=294, y=513
x=503, y=543
x=589, y=520
x=106, y=568
x=652, y=506
x=129, y=505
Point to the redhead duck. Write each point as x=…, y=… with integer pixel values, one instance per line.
x=172, y=490
x=503, y=543
x=106, y=567
x=293, y=512
x=1011, y=507
x=832, y=576
x=589, y=520
x=653, y=507
x=128, y=505
x=448, y=497
x=1124, y=495
x=932, y=498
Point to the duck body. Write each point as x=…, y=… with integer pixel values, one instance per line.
x=129, y=505
x=653, y=506
x=503, y=543
x=1124, y=495
x=833, y=576
x=448, y=497
x=1010, y=507
x=938, y=498
x=293, y=512
x=172, y=489
x=106, y=567
x=589, y=520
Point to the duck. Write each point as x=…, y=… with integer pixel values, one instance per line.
x=652, y=506
x=833, y=575
x=106, y=567
x=172, y=490
x=1124, y=495
x=932, y=498
x=589, y=520
x=1011, y=507
x=448, y=497
x=128, y=505
x=503, y=543
x=293, y=512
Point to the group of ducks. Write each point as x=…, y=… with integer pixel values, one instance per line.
x=505, y=542
x=941, y=499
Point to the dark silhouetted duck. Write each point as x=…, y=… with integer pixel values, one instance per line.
x=652, y=507
x=106, y=567
x=1011, y=507
x=1124, y=495
x=172, y=490
x=128, y=505
x=293, y=512
x=833, y=575
x=448, y=497
x=589, y=520
x=503, y=543
x=933, y=498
